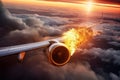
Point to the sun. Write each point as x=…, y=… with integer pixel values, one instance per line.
x=89, y=6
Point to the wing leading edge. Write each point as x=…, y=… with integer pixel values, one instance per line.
x=5, y=51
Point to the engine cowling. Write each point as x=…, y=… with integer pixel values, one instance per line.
x=58, y=54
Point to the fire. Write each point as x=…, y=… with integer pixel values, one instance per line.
x=77, y=36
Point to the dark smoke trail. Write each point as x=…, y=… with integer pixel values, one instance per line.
x=8, y=22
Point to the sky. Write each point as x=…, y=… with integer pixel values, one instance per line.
x=88, y=6
x=101, y=1
x=117, y=2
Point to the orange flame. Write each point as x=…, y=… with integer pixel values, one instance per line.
x=77, y=36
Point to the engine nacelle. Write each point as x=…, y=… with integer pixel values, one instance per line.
x=58, y=54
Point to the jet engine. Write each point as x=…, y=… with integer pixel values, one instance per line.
x=58, y=54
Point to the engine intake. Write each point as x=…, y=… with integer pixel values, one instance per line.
x=58, y=54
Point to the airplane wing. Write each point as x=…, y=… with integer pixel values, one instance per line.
x=5, y=51
x=58, y=53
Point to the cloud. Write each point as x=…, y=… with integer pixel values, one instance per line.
x=115, y=43
x=114, y=77
x=28, y=28
x=38, y=67
x=102, y=61
x=46, y=20
x=8, y=22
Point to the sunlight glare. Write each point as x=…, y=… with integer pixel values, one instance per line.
x=89, y=6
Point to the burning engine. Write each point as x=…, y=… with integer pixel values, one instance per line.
x=58, y=54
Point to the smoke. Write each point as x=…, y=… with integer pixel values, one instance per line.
x=8, y=22
x=104, y=62
x=37, y=67
x=15, y=30
x=99, y=62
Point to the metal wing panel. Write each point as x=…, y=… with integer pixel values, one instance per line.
x=4, y=51
x=21, y=48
